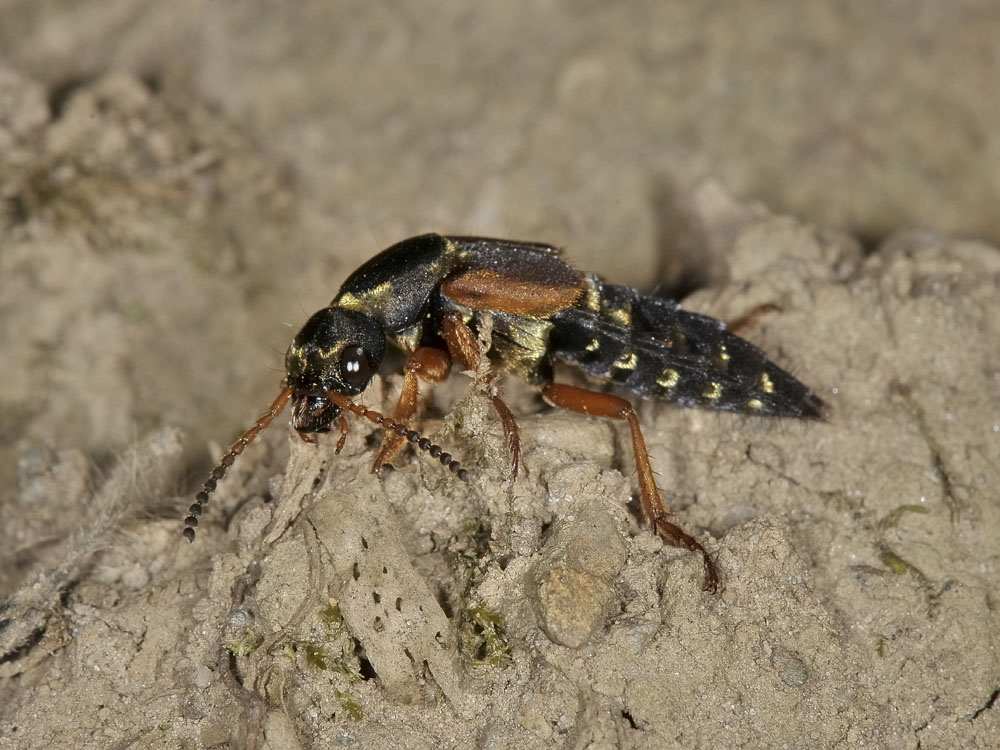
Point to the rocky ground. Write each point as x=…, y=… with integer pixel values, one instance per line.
x=183, y=184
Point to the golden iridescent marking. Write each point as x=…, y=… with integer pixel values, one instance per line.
x=620, y=315
x=668, y=379
x=626, y=362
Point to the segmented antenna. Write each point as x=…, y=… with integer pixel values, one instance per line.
x=401, y=429
x=220, y=471
x=277, y=406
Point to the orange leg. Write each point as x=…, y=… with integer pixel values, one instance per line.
x=750, y=317
x=607, y=406
x=428, y=364
x=343, y=436
x=464, y=347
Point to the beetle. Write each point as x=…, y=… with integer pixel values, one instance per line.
x=428, y=295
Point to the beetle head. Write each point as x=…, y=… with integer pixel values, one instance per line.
x=337, y=350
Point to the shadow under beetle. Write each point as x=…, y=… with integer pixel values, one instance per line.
x=425, y=293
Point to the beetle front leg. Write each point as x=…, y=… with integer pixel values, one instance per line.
x=605, y=405
x=428, y=364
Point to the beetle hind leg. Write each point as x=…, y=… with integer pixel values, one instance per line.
x=605, y=405
x=749, y=318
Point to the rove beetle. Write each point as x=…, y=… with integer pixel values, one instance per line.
x=427, y=295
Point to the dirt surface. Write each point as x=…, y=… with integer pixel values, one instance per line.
x=181, y=188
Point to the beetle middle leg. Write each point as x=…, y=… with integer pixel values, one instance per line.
x=605, y=405
x=464, y=347
x=425, y=363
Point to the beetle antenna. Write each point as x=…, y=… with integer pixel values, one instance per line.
x=220, y=471
x=412, y=436
x=277, y=406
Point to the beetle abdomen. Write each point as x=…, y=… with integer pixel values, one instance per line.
x=652, y=347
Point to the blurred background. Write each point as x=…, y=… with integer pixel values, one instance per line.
x=184, y=182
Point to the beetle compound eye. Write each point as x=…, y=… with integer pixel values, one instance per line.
x=355, y=366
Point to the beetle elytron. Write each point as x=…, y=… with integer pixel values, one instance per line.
x=426, y=295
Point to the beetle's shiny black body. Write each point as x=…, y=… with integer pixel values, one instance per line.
x=652, y=347
x=647, y=345
x=429, y=295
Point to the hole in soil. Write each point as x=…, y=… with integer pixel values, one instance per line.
x=628, y=717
